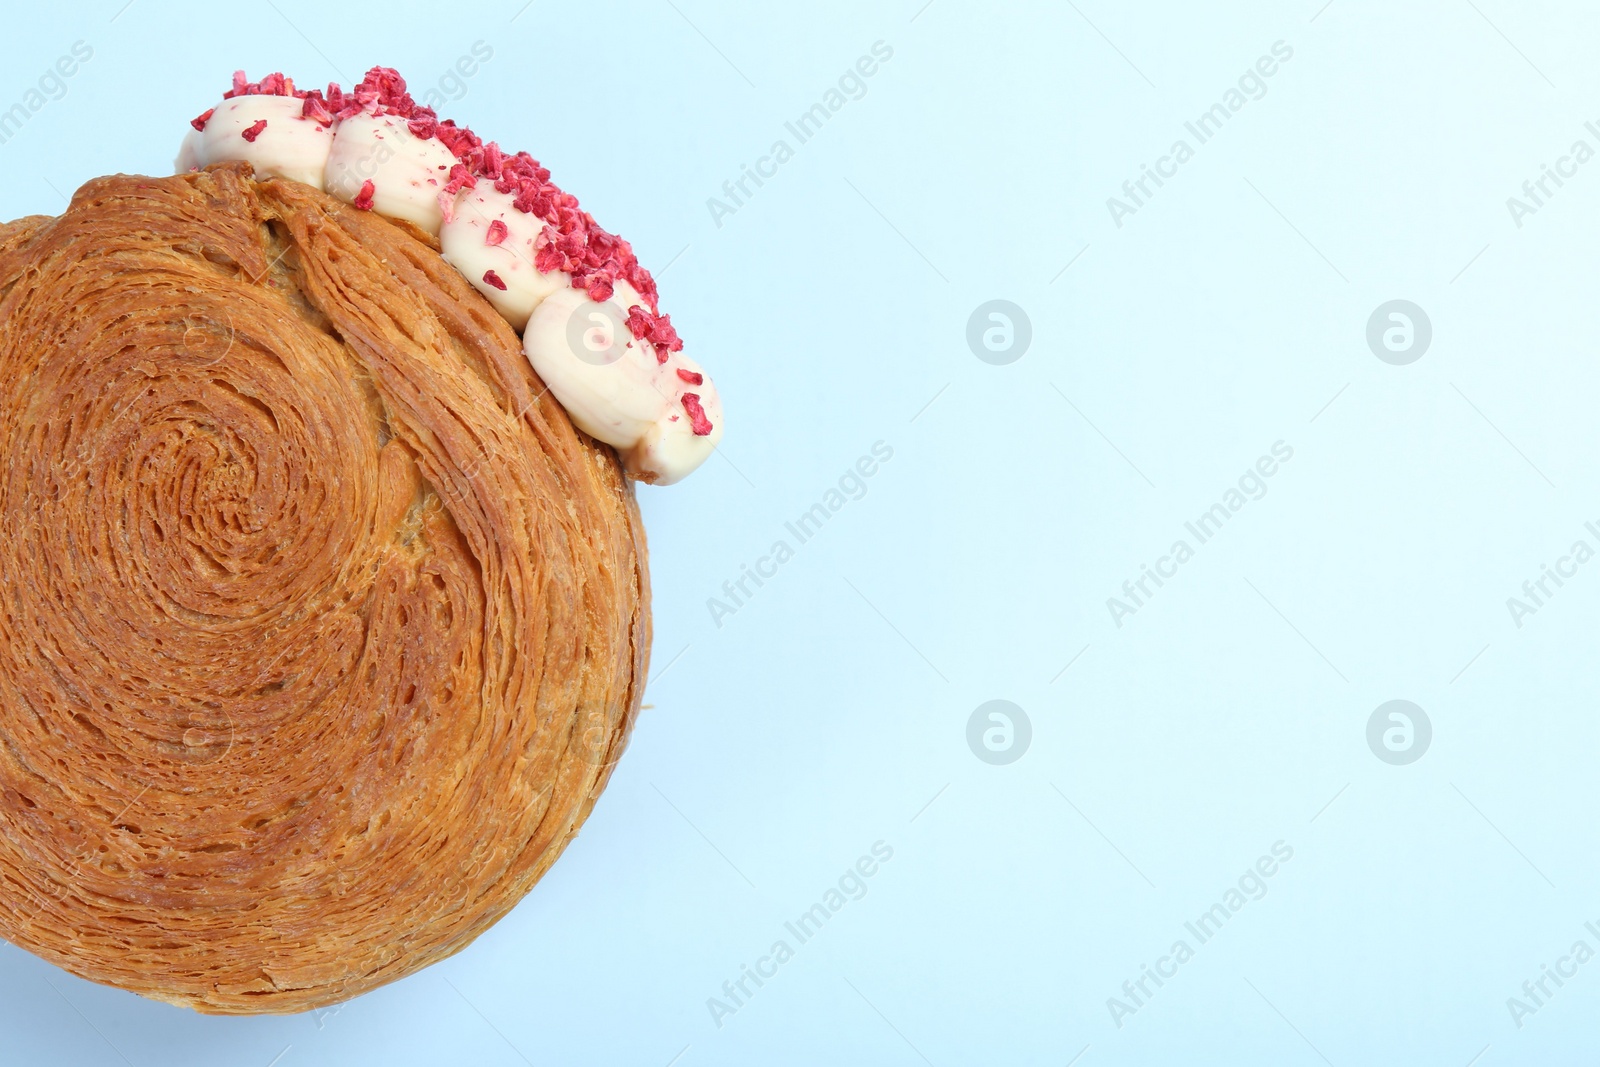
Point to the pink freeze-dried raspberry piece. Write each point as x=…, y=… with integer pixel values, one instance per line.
x=315, y=109
x=697, y=415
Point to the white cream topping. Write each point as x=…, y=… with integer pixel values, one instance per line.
x=288, y=146
x=615, y=388
x=464, y=241
x=612, y=384
x=188, y=153
x=407, y=173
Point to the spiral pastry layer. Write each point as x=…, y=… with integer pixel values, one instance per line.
x=321, y=627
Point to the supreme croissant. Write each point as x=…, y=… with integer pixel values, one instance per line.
x=323, y=620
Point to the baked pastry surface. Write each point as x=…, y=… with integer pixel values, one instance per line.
x=321, y=627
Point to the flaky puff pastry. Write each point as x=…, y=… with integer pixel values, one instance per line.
x=321, y=627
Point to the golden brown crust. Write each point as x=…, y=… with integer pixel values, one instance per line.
x=321, y=628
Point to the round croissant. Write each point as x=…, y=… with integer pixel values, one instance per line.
x=321, y=627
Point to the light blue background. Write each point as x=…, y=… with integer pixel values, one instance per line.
x=830, y=712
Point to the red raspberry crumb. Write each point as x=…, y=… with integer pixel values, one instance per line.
x=657, y=329
x=491, y=278
x=697, y=415
x=548, y=259
x=315, y=109
x=363, y=200
x=423, y=122
x=497, y=232
x=460, y=178
x=200, y=123
x=385, y=88
x=271, y=85
x=692, y=377
x=254, y=131
x=493, y=161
